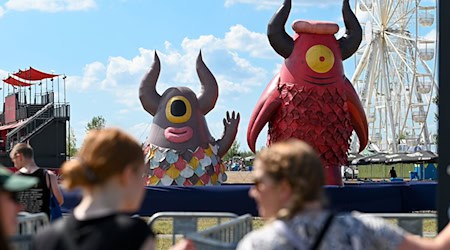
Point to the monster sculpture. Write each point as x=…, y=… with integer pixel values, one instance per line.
x=180, y=149
x=311, y=99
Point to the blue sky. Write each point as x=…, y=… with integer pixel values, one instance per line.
x=105, y=47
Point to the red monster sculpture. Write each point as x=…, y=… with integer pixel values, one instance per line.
x=311, y=99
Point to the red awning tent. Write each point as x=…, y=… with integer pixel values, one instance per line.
x=5, y=129
x=33, y=75
x=24, y=77
x=16, y=82
x=10, y=126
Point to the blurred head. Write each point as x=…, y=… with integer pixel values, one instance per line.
x=108, y=155
x=21, y=154
x=10, y=184
x=287, y=176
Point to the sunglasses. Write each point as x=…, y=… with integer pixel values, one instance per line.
x=259, y=181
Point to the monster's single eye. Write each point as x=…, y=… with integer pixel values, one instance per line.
x=320, y=58
x=178, y=109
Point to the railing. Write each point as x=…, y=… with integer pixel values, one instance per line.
x=36, y=122
x=40, y=114
x=228, y=234
x=184, y=223
x=411, y=222
x=28, y=225
x=224, y=236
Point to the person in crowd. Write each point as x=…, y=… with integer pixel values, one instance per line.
x=289, y=180
x=10, y=184
x=393, y=173
x=109, y=169
x=37, y=198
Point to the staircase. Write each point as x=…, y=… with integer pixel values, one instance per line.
x=41, y=117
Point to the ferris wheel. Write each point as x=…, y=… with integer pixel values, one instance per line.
x=395, y=71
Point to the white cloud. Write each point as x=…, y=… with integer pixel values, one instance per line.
x=2, y=11
x=241, y=39
x=226, y=57
x=92, y=74
x=50, y=5
x=431, y=35
x=139, y=131
x=3, y=74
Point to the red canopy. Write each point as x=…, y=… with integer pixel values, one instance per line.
x=16, y=82
x=33, y=74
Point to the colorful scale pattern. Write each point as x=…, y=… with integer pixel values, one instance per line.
x=169, y=167
x=317, y=115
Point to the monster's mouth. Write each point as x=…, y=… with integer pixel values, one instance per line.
x=320, y=80
x=178, y=135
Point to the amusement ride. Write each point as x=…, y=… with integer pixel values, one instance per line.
x=395, y=75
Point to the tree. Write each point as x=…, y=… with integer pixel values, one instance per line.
x=97, y=122
x=71, y=144
x=233, y=151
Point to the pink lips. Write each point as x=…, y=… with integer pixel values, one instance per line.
x=178, y=135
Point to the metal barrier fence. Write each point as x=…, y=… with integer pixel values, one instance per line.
x=27, y=225
x=224, y=236
x=227, y=235
x=184, y=223
x=411, y=222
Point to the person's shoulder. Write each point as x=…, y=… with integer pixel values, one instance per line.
x=49, y=172
x=133, y=224
x=262, y=238
x=48, y=237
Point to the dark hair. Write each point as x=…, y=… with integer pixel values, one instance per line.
x=104, y=153
x=23, y=149
x=297, y=163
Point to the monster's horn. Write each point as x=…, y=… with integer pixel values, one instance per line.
x=209, y=92
x=147, y=91
x=350, y=42
x=280, y=41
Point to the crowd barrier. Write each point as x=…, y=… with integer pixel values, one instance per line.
x=28, y=225
x=224, y=236
x=402, y=197
x=184, y=223
x=411, y=222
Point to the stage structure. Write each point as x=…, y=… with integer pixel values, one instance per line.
x=395, y=73
x=35, y=111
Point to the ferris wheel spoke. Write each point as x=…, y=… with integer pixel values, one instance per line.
x=399, y=54
x=362, y=64
x=407, y=16
x=377, y=21
x=393, y=11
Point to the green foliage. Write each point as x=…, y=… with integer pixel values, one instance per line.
x=71, y=144
x=97, y=122
x=233, y=151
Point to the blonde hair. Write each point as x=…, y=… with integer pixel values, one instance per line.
x=104, y=153
x=297, y=163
